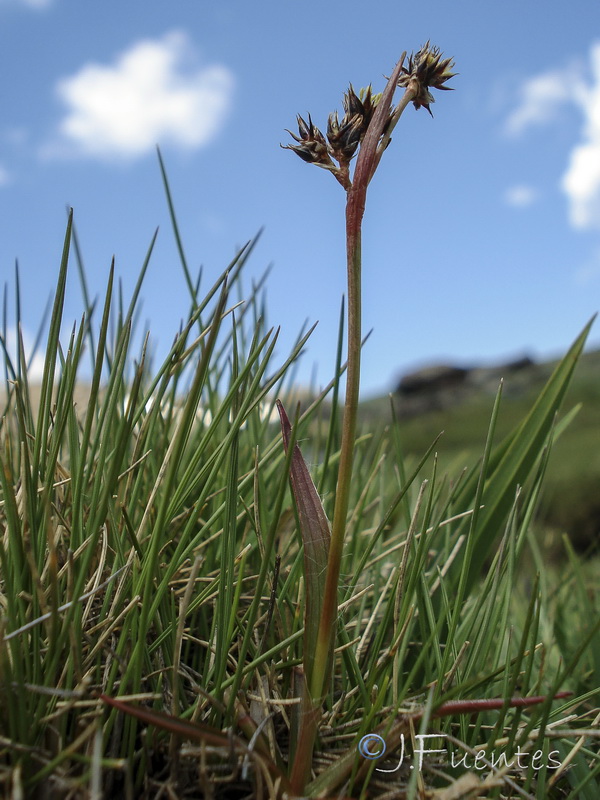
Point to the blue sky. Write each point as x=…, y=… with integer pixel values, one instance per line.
x=481, y=240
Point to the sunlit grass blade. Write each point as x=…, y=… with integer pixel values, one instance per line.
x=38, y=459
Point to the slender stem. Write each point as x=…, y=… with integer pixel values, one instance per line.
x=318, y=665
x=355, y=208
x=366, y=163
x=342, y=497
x=324, y=646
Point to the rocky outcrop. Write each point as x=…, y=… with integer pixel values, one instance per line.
x=441, y=386
x=430, y=380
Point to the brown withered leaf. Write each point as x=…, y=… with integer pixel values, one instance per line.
x=316, y=535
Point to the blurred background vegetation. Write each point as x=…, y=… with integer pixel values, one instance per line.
x=571, y=496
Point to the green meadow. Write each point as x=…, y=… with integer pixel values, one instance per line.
x=214, y=585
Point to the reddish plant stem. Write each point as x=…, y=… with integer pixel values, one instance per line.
x=475, y=706
x=323, y=660
x=366, y=164
x=355, y=209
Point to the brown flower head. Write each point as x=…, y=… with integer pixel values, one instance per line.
x=311, y=146
x=426, y=70
x=345, y=137
x=362, y=103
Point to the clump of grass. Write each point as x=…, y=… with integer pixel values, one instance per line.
x=176, y=622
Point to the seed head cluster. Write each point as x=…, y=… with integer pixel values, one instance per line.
x=343, y=137
x=426, y=69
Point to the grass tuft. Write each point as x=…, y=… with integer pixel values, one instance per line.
x=156, y=579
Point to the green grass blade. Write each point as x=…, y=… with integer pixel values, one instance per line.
x=513, y=461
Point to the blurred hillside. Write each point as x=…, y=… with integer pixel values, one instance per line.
x=461, y=408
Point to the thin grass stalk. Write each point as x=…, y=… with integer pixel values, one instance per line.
x=461, y=590
x=81, y=476
x=44, y=416
x=178, y=240
x=170, y=467
x=355, y=209
x=89, y=305
x=370, y=152
x=102, y=492
x=228, y=538
x=265, y=563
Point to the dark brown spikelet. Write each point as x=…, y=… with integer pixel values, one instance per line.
x=426, y=70
x=311, y=146
x=344, y=137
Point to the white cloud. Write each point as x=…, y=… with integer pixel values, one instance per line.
x=581, y=184
x=4, y=176
x=540, y=99
x=152, y=94
x=520, y=196
x=581, y=181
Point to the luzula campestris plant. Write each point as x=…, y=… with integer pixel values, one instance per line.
x=364, y=131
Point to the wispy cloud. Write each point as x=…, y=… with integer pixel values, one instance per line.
x=589, y=271
x=541, y=97
x=153, y=93
x=28, y=3
x=4, y=176
x=520, y=196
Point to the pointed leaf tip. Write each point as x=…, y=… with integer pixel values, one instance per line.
x=316, y=534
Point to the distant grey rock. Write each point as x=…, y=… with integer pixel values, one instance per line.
x=432, y=379
x=441, y=386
